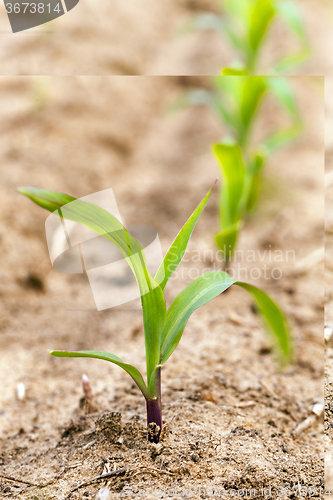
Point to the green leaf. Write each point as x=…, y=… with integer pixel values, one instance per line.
x=274, y=320
x=131, y=370
x=253, y=91
x=280, y=139
x=292, y=61
x=230, y=89
x=105, y=224
x=240, y=9
x=253, y=181
x=230, y=159
x=101, y=222
x=289, y=11
x=253, y=194
x=50, y=200
x=234, y=72
x=291, y=14
x=262, y=13
x=226, y=240
x=282, y=90
x=202, y=97
x=206, y=288
x=198, y=293
x=176, y=252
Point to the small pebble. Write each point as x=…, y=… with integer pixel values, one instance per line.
x=103, y=494
x=20, y=391
x=318, y=409
x=328, y=333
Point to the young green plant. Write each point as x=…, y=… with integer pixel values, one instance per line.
x=236, y=101
x=245, y=23
x=163, y=328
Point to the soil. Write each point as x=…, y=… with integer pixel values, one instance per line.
x=328, y=284
x=143, y=38
x=229, y=412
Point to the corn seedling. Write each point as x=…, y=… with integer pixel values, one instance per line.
x=163, y=328
x=236, y=100
x=245, y=23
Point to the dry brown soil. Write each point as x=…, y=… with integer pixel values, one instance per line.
x=328, y=282
x=229, y=411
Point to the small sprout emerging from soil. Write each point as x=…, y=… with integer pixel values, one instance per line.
x=20, y=391
x=86, y=401
x=163, y=328
x=86, y=387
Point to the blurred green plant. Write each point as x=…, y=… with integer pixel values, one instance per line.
x=236, y=101
x=163, y=328
x=245, y=23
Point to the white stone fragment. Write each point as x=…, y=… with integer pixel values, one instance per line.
x=328, y=333
x=318, y=409
x=103, y=494
x=20, y=391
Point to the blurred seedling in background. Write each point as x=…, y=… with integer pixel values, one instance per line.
x=245, y=24
x=163, y=328
x=236, y=101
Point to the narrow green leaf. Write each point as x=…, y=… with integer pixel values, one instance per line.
x=176, y=252
x=280, y=139
x=228, y=91
x=103, y=223
x=253, y=91
x=203, y=97
x=206, y=288
x=291, y=62
x=262, y=13
x=282, y=90
x=288, y=9
x=240, y=9
x=230, y=160
x=131, y=370
x=274, y=319
x=198, y=293
x=226, y=240
x=50, y=200
x=253, y=194
x=253, y=181
x=230, y=88
x=234, y=72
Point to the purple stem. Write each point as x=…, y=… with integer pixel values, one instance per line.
x=154, y=417
x=154, y=411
